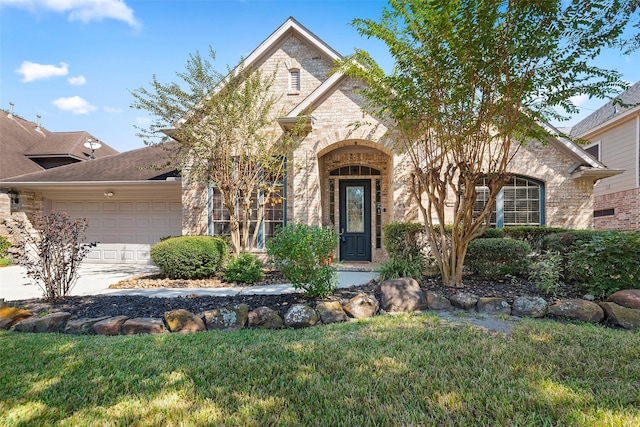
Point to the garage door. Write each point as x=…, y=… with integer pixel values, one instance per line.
x=125, y=230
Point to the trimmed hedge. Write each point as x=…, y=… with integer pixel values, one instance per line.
x=189, y=257
x=496, y=258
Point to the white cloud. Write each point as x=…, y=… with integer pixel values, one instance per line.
x=75, y=104
x=77, y=81
x=112, y=110
x=81, y=10
x=31, y=71
x=579, y=100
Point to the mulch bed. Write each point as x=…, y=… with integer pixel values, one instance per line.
x=140, y=306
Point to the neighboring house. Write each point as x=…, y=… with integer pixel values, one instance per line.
x=343, y=174
x=613, y=135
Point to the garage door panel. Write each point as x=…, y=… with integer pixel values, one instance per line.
x=125, y=230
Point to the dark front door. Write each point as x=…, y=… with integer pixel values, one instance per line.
x=355, y=220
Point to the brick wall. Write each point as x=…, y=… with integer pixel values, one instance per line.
x=626, y=206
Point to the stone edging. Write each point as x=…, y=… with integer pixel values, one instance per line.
x=401, y=295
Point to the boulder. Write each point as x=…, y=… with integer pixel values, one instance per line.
x=264, y=318
x=629, y=298
x=464, y=300
x=361, y=306
x=436, y=301
x=183, y=321
x=301, y=316
x=82, y=326
x=529, y=307
x=143, y=325
x=53, y=322
x=401, y=295
x=331, y=312
x=9, y=316
x=109, y=326
x=628, y=318
x=493, y=306
x=229, y=318
x=577, y=309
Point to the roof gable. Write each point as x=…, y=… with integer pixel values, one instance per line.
x=609, y=112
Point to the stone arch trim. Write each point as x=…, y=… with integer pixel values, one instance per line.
x=346, y=137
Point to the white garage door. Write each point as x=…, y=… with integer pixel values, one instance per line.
x=125, y=230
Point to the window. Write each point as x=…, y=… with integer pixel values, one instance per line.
x=520, y=202
x=294, y=81
x=273, y=214
x=354, y=170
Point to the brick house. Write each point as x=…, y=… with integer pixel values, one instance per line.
x=340, y=175
x=613, y=135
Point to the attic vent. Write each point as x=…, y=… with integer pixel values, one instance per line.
x=38, y=124
x=294, y=81
x=10, y=115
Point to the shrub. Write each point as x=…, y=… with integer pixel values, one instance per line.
x=492, y=233
x=246, y=269
x=4, y=246
x=496, y=258
x=547, y=272
x=52, y=249
x=299, y=252
x=533, y=235
x=396, y=268
x=607, y=263
x=189, y=257
x=403, y=240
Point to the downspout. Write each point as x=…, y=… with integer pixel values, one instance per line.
x=209, y=210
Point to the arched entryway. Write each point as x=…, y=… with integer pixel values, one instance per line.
x=356, y=178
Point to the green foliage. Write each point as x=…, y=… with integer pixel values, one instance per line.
x=547, y=272
x=298, y=251
x=607, y=263
x=497, y=258
x=53, y=253
x=5, y=244
x=492, y=233
x=189, y=257
x=534, y=235
x=246, y=269
x=403, y=239
x=471, y=78
x=396, y=268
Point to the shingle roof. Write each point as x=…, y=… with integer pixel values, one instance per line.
x=19, y=140
x=135, y=165
x=608, y=111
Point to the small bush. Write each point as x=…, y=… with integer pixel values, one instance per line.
x=189, y=257
x=607, y=263
x=246, y=269
x=52, y=251
x=299, y=252
x=492, y=233
x=533, y=235
x=396, y=268
x=497, y=258
x=547, y=272
x=403, y=240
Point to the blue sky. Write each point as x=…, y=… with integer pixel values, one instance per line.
x=74, y=62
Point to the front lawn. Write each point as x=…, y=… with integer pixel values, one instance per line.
x=388, y=370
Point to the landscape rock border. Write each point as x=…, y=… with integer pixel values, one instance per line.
x=399, y=295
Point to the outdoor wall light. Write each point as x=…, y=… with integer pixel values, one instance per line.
x=108, y=194
x=13, y=195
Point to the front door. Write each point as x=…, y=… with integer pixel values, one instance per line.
x=355, y=220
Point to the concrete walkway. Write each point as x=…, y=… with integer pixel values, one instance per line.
x=94, y=279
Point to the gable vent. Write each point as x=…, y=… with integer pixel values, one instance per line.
x=294, y=81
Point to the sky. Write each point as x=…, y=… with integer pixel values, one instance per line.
x=75, y=62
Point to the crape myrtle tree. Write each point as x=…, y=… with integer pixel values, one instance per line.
x=224, y=132
x=472, y=80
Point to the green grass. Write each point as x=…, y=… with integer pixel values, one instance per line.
x=4, y=262
x=390, y=370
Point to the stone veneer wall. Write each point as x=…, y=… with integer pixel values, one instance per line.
x=626, y=205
